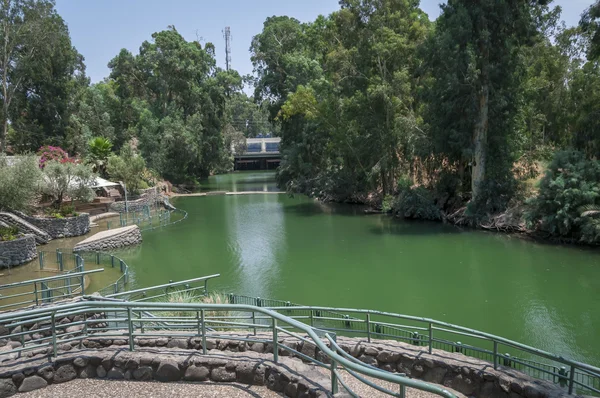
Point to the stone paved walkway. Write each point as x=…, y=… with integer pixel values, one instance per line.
x=93, y=388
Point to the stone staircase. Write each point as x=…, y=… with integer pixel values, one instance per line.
x=10, y=219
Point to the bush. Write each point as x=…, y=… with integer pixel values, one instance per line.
x=416, y=203
x=8, y=233
x=50, y=153
x=571, y=183
x=127, y=167
x=68, y=179
x=19, y=182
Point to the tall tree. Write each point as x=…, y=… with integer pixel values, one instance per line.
x=474, y=58
x=35, y=94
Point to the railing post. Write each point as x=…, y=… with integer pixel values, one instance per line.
x=312, y=321
x=35, y=292
x=571, y=379
x=430, y=338
x=206, y=287
x=495, y=355
x=203, y=332
x=369, y=327
x=275, y=342
x=97, y=257
x=129, y=321
x=254, y=321
x=41, y=258
x=112, y=261
x=334, y=382
x=402, y=391
x=53, y=330
x=85, y=329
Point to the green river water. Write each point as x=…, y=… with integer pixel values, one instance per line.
x=300, y=250
x=297, y=249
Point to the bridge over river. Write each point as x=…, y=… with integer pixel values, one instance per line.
x=260, y=154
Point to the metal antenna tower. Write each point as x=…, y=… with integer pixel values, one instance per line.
x=227, y=35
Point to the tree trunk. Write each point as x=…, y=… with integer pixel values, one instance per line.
x=480, y=132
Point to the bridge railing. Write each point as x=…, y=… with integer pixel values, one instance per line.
x=192, y=288
x=127, y=320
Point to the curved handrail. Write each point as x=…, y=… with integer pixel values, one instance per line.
x=97, y=306
x=474, y=332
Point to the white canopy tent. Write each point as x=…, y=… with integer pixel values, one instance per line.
x=102, y=183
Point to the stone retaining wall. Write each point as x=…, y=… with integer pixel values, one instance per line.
x=147, y=198
x=465, y=375
x=61, y=227
x=288, y=376
x=41, y=237
x=111, y=239
x=18, y=251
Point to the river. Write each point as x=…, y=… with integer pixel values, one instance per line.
x=297, y=249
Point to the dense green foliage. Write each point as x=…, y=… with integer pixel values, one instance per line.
x=128, y=167
x=8, y=233
x=571, y=185
x=375, y=104
x=19, y=182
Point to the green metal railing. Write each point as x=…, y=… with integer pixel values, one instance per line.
x=439, y=335
x=128, y=320
x=148, y=218
x=44, y=290
x=194, y=288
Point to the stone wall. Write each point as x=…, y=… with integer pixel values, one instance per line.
x=147, y=198
x=41, y=237
x=61, y=227
x=18, y=251
x=111, y=239
x=173, y=358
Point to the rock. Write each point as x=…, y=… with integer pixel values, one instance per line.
x=168, y=371
x=309, y=349
x=388, y=357
x=7, y=388
x=128, y=375
x=490, y=390
x=258, y=347
x=47, y=372
x=222, y=375
x=64, y=373
x=89, y=372
x=291, y=390
x=368, y=359
x=371, y=351
x=211, y=344
x=196, y=373
x=178, y=343
x=435, y=375
x=357, y=350
x=161, y=342
x=32, y=383
x=143, y=373
x=17, y=378
x=100, y=371
x=462, y=385
x=74, y=329
x=4, y=330
x=115, y=374
x=80, y=362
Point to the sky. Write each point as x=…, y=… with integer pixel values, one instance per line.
x=101, y=28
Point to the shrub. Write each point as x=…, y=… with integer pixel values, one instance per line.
x=416, y=203
x=8, y=233
x=50, y=153
x=19, y=182
x=68, y=179
x=99, y=150
x=571, y=183
x=127, y=167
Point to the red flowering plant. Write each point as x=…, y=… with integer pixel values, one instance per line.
x=48, y=153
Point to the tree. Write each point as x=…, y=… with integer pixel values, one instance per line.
x=570, y=187
x=128, y=167
x=99, y=150
x=35, y=94
x=590, y=23
x=19, y=182
x=474, y=58
x=73, y=180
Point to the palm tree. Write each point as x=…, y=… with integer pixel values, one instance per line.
x=99, y=149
